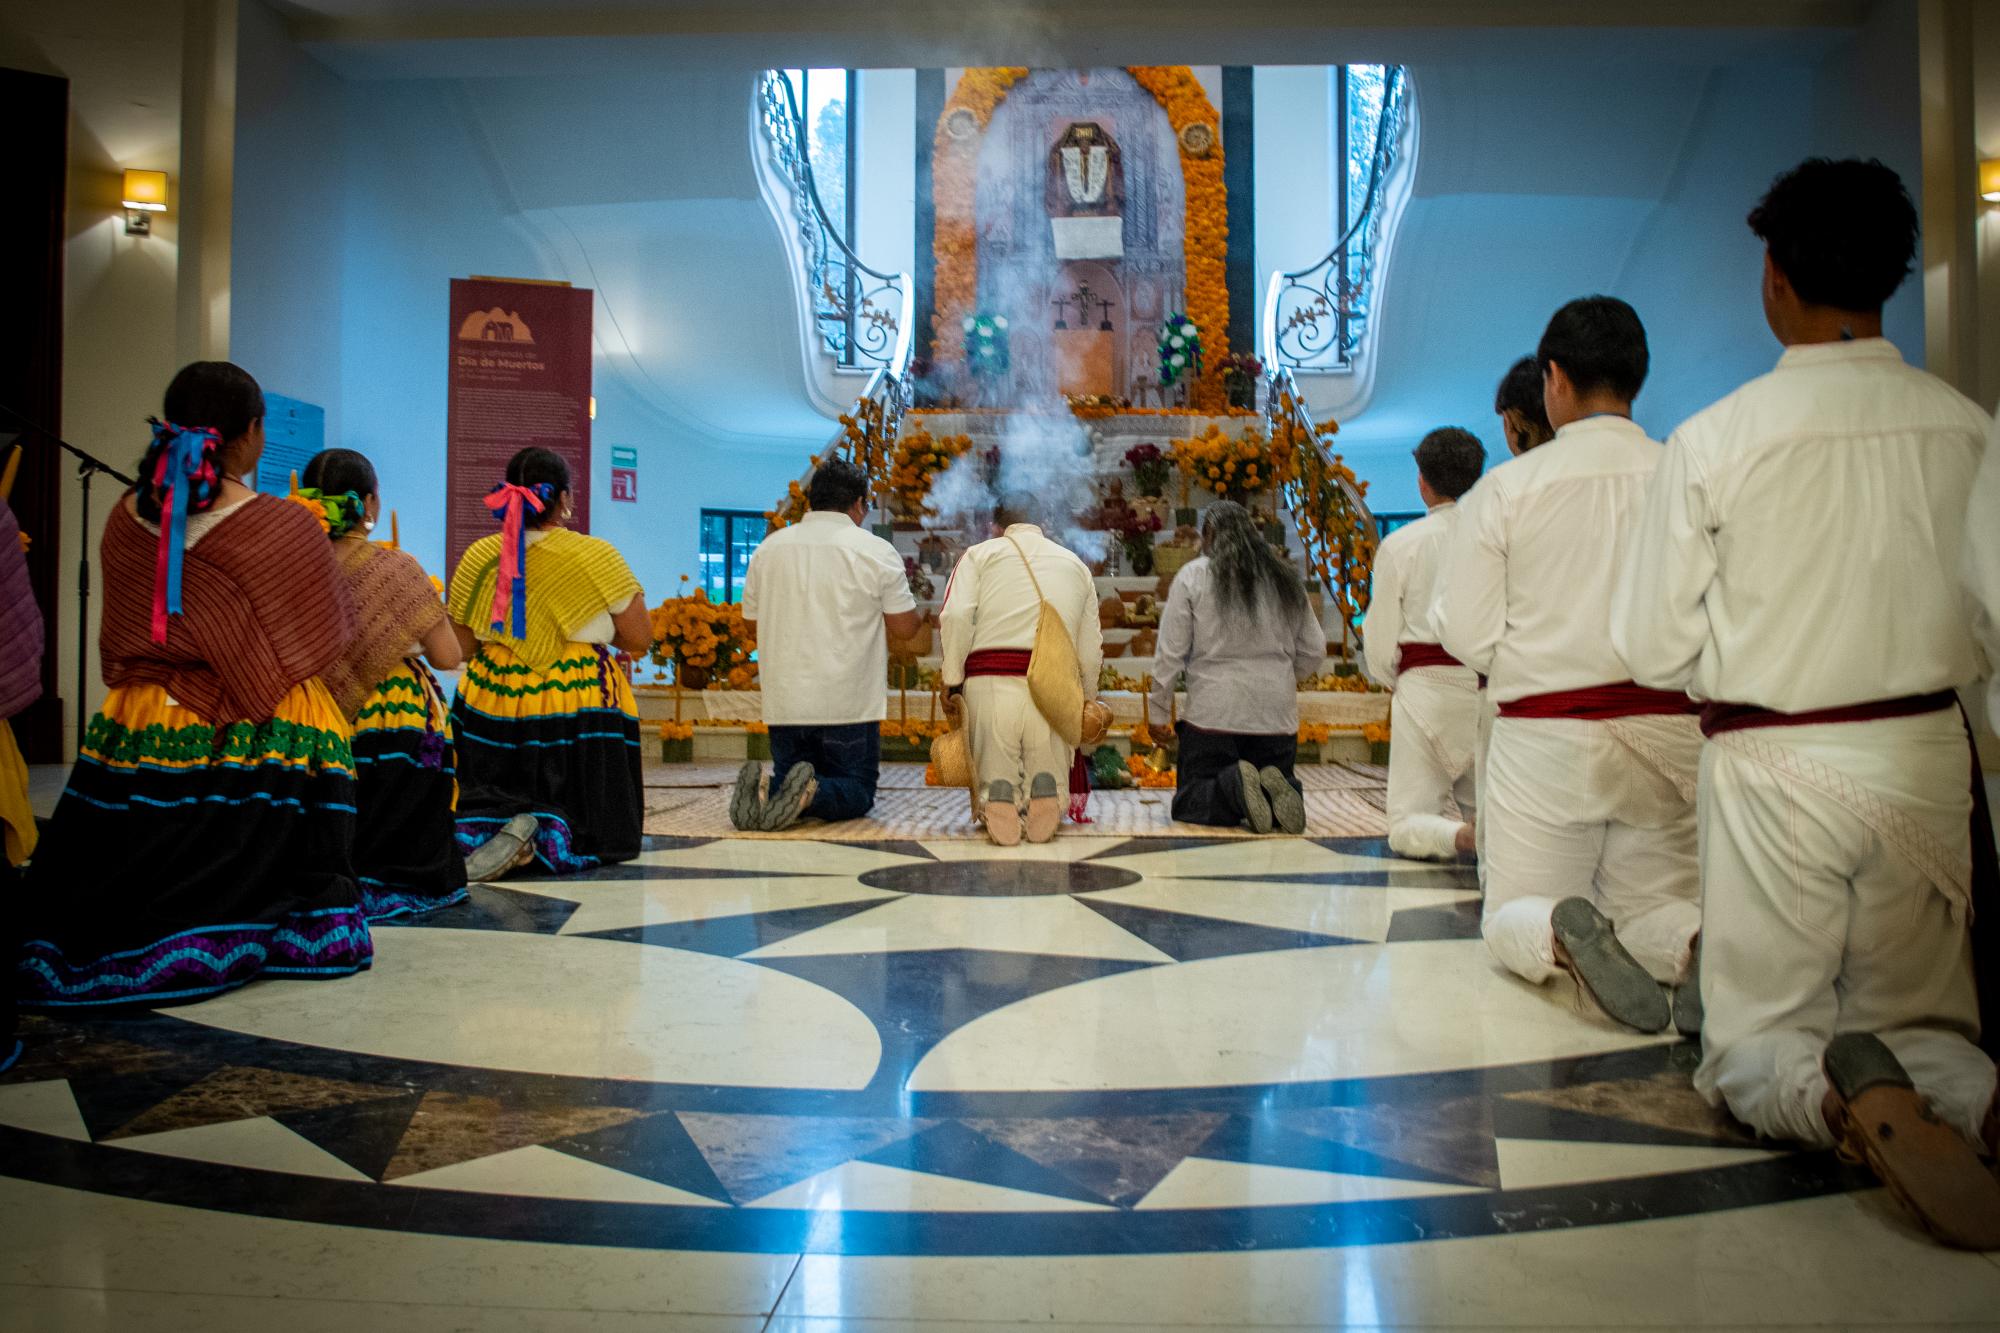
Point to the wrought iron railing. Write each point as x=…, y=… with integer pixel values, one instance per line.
x=864, y=316
x=1315, y=318
x=1336, y=530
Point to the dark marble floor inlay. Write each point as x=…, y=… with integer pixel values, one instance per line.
x=1001, y=879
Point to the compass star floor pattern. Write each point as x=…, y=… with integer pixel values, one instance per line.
x=771, y=1063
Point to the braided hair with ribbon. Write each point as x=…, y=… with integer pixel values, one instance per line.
x=209, y=405
x=537, y=479
x=338, y=485
x=180, y=475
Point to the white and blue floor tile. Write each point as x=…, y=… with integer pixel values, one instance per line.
x=787, y=1084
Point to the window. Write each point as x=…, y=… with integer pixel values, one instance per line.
x=827, y=101
x=1359, y=90
x=728, y=536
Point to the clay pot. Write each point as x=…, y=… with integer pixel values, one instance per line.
x=693, y=677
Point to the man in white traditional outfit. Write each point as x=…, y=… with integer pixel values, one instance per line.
x=1588, y=818
x=1021, y=768
x=1434, y=711
x=1798, y=569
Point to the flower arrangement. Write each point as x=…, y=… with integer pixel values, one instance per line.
x=1375, y=733
x=1180, y=349
x=1149, y=468
x=1327, y=500
x=677, y=731
x=986, y=344
x=1229, y=465
x=1095, y=406
x=1134, y=531
x=919, y=458
x=708, y=642
x=954, y=159
x=1240, y=374
x=1315, y=733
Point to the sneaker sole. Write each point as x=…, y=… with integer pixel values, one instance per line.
x=1613, y=978
x=1256, y=805
x=1288, y=807
x=788, y=806
x=745, y=809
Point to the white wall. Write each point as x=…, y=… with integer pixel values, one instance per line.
x=886, y=170
x=371, y=196
x=1603, y=172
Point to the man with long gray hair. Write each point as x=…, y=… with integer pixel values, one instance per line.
x=1239, y=623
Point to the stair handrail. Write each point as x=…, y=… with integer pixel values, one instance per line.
x=864, y=315
x=1323, y=307
x=1329, y=504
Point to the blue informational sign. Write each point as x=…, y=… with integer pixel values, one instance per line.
x=293, y=433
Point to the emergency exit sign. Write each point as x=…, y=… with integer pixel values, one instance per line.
x=624, y=474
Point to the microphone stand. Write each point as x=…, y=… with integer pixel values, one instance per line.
x=88, y=465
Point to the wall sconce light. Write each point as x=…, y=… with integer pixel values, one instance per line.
x=145, y=195
x=1989, y=180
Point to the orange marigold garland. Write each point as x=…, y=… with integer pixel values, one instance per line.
x=954, y=164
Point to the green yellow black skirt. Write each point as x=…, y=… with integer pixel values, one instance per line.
x=405, y=837
x=561, y=744
x=185, y=859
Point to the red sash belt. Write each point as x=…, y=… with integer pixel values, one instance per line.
x=1717, y=718
x=998, y=662
x=1599, y=703
x=1410, y=656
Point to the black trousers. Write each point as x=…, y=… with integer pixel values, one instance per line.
x=1208, y=789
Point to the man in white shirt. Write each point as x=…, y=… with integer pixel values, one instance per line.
x=1797, y=568
x=819, y=596
x=1021, y=767
x=1434, y=711
x=1588, y=819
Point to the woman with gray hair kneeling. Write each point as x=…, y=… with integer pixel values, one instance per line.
x=1238, y=622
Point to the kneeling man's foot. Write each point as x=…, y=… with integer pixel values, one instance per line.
x=1044, y=808
x=746, y=803
x=1588, y=948
x=1466, y=841
x=1878, y=1117
x=512, y=846
x=1003, y=817
x=787, y=805
x=1256, y=805
x=1687, y=997
x=1288, y=806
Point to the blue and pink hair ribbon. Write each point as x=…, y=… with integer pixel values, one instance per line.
x=509, y=504
x=185, y=464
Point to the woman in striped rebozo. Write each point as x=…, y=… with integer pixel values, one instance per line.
x=204, y=838
x=406, y=853
x=547, y=728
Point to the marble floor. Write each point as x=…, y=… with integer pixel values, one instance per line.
x=886, y=1085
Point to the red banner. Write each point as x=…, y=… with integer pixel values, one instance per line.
x=520, y=375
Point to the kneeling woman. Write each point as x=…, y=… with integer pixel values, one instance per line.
x=406, y=854
x=1239, y=623
x=548, y=732
x=204, y=837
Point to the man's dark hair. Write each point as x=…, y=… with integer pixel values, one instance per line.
x=1843, y=233
x=1600, y=344
x=836, y=484
x=1521, y=391
x=1450, y=460
x=1012, y=508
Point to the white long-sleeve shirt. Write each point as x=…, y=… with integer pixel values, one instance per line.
x=1243, y=671
x=1527, y=583
x=991, y=602
x=1801, y=546
x=1982, y=567
x=1402, y=599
